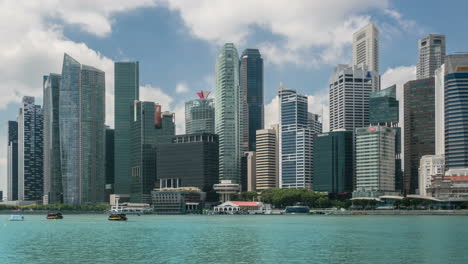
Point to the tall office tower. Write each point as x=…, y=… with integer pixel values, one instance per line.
x=266, y=162
x=430, y=166
x=375, y=161
x=456, y=112
x=333, y=162
x=126, y=90
x=110, y=163
x=349, y=97
x=431, y=55
x=82, y=132
x=143, y=140
x=166, y=130
x=12, y=161
x=53, y=192
x=228, y=114
x=384, y=111
x=251, y=171
x=366, y=51
x=251, y=81
x=199, y=114
x=295, y=141
x=30, y=151
x=439, y=80
x=313, y=121
x=419, y=128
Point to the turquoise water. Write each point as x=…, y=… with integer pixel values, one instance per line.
x=235, y=239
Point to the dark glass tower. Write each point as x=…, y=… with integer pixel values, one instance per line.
x=52, y=170
x=251, y=81
x=109, y=162
x=12, y=177
x=126, y=82
x=199, y=114
x=419, y=128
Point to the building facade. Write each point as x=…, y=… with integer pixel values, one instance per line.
x=110, y=162
x=53, y=192
x=166, y=130
x=430, y=166
x=30, y=151
x=349, y=97
x=228, y=113
x=439, y=81
x=333, y=162
x=126, y=90
x=295, y=141
x=366, y=51
x=200, y=114
x=12, y=162
x=178, y=200
x=251, y=82
x=82, y=132
x=266, y=162
x=419, y=128
x=431, y=55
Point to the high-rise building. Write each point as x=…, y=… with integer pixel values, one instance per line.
x=82, y=132
x=314, y=123
x=456, y=111
x=53, y=192
x=110, y=162
x=333, y=162
x=228, y=114
x=266, y=162
x=349, y=97
x=439, y=98
x=375, y=161
x=189, y=161
x=200, y=114
x=126, y=83
x=430, y=166
x=431, y=55
x=166, y=131
x=366, y=51
x=295, y=141
x=30, y=151
x=143, y=140
x=384, y=111
x=251, y=82
x=251, y=171
x=419, y=128
x=12, y=162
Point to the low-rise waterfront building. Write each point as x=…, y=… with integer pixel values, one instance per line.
x=239, y=206
x=430, y=166
x=178, y=200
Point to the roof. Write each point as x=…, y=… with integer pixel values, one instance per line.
x=457, y=178
x=242, y=203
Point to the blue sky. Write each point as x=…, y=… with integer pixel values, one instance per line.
x=176, y=42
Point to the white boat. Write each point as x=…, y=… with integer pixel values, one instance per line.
x=16, y=218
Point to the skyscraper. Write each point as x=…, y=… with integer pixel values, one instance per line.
x=439, y=87
x=110, y=162
x=166, y=130
x=431, y=55
x=82, y=132
x=126, y=83
x=251, y=81
x=314, y=123
x=199, y=114
x=30, y=151
x=349, y=97
x=228, y=113
x=295, y=143
x=53, y=192
x=456, y=111
x=267, y=159
x=366, y=51
x=12, y=161
x=419, y=128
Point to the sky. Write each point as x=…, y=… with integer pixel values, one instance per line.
x=176, y=42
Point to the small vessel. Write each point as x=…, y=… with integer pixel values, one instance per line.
x=54, y=216
x=16, y=218
x=298, y=209
x=117, y=217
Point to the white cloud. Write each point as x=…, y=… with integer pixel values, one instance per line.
x=182, y=87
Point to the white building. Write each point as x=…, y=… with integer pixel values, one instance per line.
x=251, y=171
x=350, y=87
x=366, y=51
x=267, y=158
x=429, y=167
x=431, y=55
x=439, y=110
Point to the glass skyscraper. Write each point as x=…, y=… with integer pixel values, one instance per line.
x=82, y=132
x=53, y=192
x=295, y=147
x=110, y=164
x=30, y=151
x=126, y=83
x=251, y=82
x=228, y=113
x=12, y=161
x=199, y=115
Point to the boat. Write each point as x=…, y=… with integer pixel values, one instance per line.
x=298, y=209
x=54, y=216
x=117, y=217
x=16, y=218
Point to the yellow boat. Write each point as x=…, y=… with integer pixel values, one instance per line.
x=117, y=217
x=54, y=216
